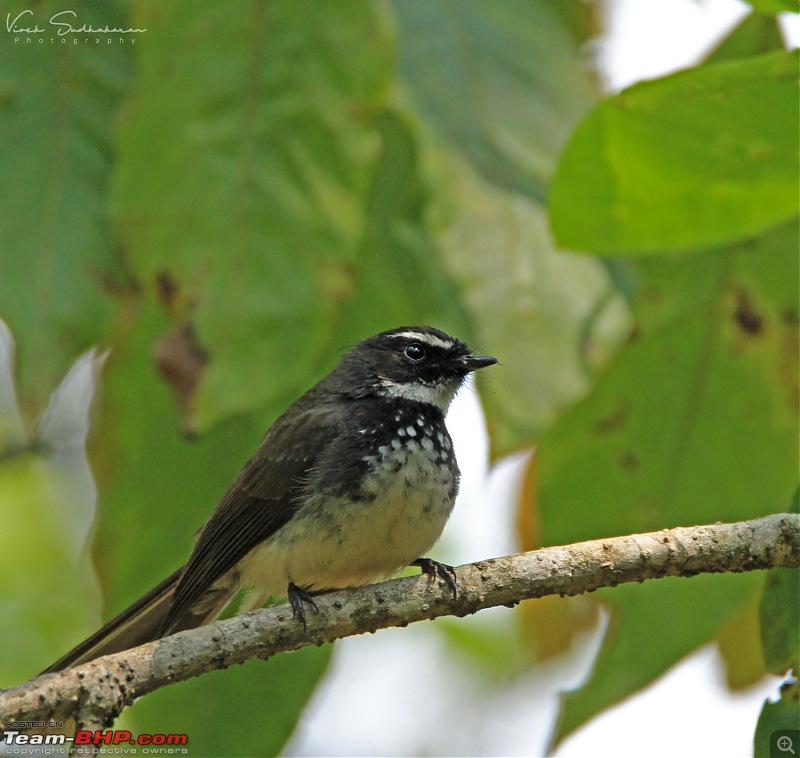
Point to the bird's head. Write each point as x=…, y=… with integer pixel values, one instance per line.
x=417, y=363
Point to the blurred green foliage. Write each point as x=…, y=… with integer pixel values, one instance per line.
x=702, y=158
x=247, y=188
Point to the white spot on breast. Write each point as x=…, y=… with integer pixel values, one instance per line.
x=401, y=432
x=427, y=443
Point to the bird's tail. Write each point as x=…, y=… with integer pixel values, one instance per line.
x=141, y=622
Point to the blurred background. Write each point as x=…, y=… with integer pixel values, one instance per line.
x=201, y=205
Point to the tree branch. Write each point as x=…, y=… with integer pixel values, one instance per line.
x=94, y=694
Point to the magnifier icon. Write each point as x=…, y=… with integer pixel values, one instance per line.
x=785, y=745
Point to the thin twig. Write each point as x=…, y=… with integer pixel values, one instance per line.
x=94, y=694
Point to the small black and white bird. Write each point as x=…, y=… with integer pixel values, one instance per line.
x=353, y=483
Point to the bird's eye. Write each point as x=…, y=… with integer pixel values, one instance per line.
x=415, y=351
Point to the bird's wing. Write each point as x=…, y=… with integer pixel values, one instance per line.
x=263, y=498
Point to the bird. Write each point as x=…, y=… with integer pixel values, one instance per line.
x=350, y=485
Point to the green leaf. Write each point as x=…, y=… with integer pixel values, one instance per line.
x=780, y=620
x=398, y=254
x=739, y=645
x=244, y=197
x=249, y=710
x=551, y=318
x=755, y=34
x=704, y=157
x=504, y=80
x=58, y=104
x=694, y=423
x=781, y=718
x=772, y=7
x=780, y=615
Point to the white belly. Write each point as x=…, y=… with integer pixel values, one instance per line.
x=335, y=543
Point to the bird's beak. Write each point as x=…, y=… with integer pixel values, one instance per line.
x=474, y=362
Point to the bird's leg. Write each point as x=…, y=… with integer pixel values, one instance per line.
x=298, y=597
x=438, y=571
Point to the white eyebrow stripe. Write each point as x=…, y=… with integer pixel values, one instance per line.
x=429, y=339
